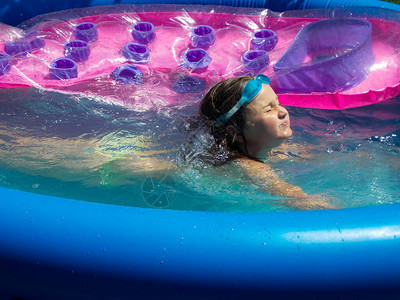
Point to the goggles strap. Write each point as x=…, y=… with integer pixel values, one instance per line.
x=244, y=99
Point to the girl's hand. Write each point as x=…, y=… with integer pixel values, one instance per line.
x=311, y=202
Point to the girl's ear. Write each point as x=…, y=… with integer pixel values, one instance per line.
x=234, y=133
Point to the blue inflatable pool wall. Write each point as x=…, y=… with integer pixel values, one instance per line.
x=53, y=248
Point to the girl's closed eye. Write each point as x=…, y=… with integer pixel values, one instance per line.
x=267, y=108
x=270, y=106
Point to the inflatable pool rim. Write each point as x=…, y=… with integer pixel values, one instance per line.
x=64, y=248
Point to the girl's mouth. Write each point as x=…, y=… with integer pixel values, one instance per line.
x=285, y=123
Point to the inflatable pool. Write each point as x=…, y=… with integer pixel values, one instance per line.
x=61, y=248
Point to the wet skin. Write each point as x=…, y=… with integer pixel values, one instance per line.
x=267, y=123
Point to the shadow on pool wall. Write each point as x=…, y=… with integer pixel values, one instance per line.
x=53, y=248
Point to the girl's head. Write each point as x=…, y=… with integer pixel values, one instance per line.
x=245, y=113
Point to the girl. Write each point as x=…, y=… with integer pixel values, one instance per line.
x=244, y=115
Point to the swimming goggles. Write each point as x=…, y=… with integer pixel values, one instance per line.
x=250, y=91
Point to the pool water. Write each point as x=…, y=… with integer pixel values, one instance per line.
x=93, y=150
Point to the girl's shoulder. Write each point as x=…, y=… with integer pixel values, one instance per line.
x=290, y=150
x=252, y=166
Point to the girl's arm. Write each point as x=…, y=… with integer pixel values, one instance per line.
x=267, y=179
x=75, y=159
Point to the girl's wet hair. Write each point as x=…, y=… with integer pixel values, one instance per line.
x=219, y=100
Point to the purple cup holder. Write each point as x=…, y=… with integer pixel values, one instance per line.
x=19, y=47
x=135, y=52
x=77, y=50
x=264, y=39
x=189, y=84
x=196, y=59
x=128, y=74
x=38, y=43
x=203, y=36
x=28, y=43
x=5, y=63
x=63, y=68
x=256, y=60
x=35, y=39
x=143, y=32
x=86, y=32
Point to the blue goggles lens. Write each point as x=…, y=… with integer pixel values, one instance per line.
x=250, y=91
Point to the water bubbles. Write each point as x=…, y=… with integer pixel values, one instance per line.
x=334, y=130
x=386, y=140
x=329, y=150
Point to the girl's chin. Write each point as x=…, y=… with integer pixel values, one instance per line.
x=287, y=132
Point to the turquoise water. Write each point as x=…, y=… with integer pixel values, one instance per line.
x=87, y=149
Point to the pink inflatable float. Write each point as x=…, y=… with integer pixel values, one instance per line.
x=317, y=59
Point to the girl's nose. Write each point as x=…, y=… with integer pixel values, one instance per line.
x=282, y=112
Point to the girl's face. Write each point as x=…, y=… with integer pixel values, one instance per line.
x=267, y=123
